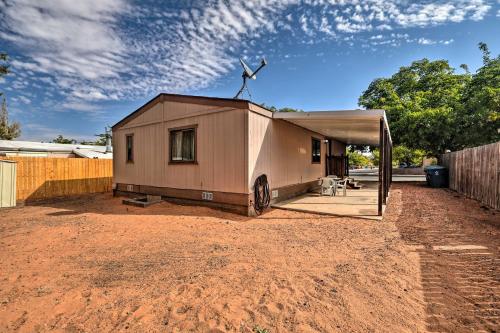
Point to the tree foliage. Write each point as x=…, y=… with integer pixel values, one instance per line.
x=358, y=159
x=285, y=109
x=101, y=140
x=61, y=139
x=480, y=117
x=402, y=154
x=431, y=107
x=8, y=130
x=4, y=67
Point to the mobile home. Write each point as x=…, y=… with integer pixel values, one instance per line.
x=210, y=150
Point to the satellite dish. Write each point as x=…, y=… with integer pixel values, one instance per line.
x=246, y=70
x=248, y=74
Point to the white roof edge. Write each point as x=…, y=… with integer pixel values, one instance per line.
x=12, y=145
x=87, y=153
x=387, y=126
x=358, y=113
x=329, y=114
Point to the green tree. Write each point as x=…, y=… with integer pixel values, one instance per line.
x=375, y=156
x=420, y=101
x=431, y=107
x=285, y=109
x=358, y=159
x=61, y=139
x=480, y=118
x=403, y=154
x=8, y=130
x=4, y=67
x=101, y=141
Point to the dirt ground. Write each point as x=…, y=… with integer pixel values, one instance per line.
x=458, y=243
x=93, y=264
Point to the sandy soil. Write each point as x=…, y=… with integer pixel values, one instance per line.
x=458, y=243
x=92, y=264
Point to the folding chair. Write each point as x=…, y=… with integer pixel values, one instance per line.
x=341, y=184
x=327, y=186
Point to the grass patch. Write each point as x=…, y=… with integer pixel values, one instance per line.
x=258, y=329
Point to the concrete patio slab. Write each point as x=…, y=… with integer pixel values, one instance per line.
x=360, y=203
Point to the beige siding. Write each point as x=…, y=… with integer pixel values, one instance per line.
x=338, y=148
x=282, y=151
x=154, y=114
x=234, y=146
x=169, y=110
x=220, y=149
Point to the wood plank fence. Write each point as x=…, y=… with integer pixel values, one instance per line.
x=475, y=172
x=40, y=178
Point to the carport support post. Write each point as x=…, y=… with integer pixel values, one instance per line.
x=381, y=166
x=389, y=167
x=328, y=158
x=386, y=164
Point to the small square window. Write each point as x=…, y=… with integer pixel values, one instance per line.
x=130, y=147
x=316, y=150
x=183, y=145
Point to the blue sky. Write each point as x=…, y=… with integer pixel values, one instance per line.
x=80, y=65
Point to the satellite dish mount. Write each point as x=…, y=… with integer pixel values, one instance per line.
x=248, y=74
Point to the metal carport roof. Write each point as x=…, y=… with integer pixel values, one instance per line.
x=357, y=127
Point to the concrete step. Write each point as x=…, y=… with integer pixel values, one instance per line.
x=353, y=184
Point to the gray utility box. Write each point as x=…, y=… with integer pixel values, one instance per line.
x=7, y=183
x=436, y=176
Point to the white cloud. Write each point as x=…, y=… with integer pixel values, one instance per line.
x=79, y=106
x=73, y=38
x=23, y=99
x=98, y=50
x=425, y=41
x=304, y=25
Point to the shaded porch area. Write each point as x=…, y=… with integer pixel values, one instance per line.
x=361, y=203
x=351, y=127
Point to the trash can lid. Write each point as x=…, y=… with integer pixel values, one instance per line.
x=434, y=167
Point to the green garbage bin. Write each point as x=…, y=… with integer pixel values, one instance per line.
x=436, y=176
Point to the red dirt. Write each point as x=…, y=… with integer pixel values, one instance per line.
x=93, y=264
x=462, y=283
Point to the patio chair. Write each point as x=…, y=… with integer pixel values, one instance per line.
x=327, y=186
x=341, y=184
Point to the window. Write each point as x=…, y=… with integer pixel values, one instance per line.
x=183, y=145
x=130, y=147
x=316, y=150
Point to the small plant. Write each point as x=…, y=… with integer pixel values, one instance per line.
x=258, y=329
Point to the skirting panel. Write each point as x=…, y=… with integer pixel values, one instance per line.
x=234, y=202
x=290, y=191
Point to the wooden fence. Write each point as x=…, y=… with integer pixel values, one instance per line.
x=475, y=172
x=41, y=178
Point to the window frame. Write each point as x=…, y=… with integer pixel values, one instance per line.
x=193, y=127
x=313, y=140
x=130, y=135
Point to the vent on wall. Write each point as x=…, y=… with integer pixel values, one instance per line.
x=274, y=194
x=207, y=196
x=130, y=188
